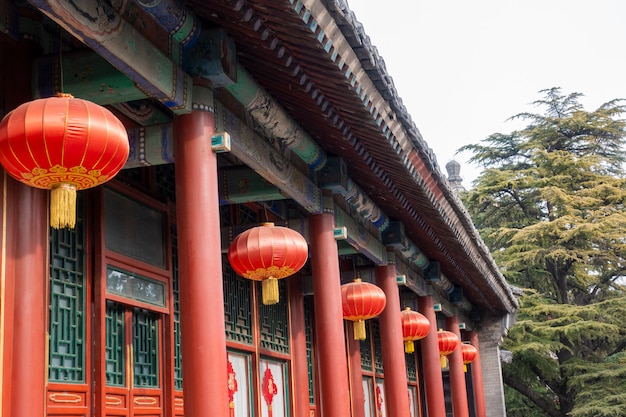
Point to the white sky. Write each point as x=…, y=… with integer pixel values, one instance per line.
x=462, y=68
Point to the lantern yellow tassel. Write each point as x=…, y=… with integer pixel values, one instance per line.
x=444, y=361
x=63, y=206
x=269, y=290
x=409, y=347
x=359, y=330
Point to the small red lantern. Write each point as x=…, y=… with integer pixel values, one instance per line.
x=361, y=301
x=448, y=342
x=469, y=354
x=268, y=253
x=415, y=326
x=63, y=144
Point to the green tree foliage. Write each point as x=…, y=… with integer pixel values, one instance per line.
x=550, y=205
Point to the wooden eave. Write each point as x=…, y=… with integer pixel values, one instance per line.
x=332, y=84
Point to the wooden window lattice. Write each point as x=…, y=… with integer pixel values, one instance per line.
x=274, y=322
x=378, y=351
x=178, y=356
x=67, y=304
x=366, y=354
x=166, y=182
x=411, y=367
x=114, y=335
x=237, y=306
x=308, y=329
x=145, y=348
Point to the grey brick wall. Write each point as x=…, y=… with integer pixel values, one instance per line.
x=490, y=336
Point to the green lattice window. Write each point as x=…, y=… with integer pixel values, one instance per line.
x=178, y=355
x=67, y=304
x=274, y=321
x=411, y=367
x=247, y=215
x=114, y=335
x=166, y=182
x=366, y=354
x=145, y=348
x=237, y=305
x=308, y=329
x=225, y=216
x=378, y=350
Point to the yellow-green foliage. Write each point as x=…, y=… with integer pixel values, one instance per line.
x=551, y=208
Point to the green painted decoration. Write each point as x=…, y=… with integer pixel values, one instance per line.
x=66, y=351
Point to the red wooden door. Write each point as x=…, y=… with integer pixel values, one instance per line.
x=133, y=362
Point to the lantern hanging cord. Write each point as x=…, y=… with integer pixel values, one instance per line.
x=61, y=81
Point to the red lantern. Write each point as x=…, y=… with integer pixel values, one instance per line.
x=415, y=326
x=448, y=342
x=268, y=253
x=63, y=144
x=469, y=354
x=361, y=301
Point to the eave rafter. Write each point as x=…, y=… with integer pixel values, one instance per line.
x=353, y=119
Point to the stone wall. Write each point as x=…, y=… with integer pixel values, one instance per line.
x=490, y=336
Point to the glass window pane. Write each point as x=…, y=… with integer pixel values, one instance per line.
x=135, y=287
x=381, y=408
x=239, y=384
x=134, y=229
x=273, y=389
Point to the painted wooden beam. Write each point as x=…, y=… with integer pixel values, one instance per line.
x=395, y=237
x=264, y=158
x=365, y=243
x=100, y=27
x=150, y=145
x=84, y=74
x=244, y=185
x=275, y=123
x=334, y=177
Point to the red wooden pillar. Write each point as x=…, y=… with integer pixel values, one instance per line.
x=298, y=345
x=25, y=264
x=435, y=402
x=203, y=332
x=331, y=351
x=28, y=236
x=477, y=378
x=396, y=386
x=356, y=374
x=457, y=373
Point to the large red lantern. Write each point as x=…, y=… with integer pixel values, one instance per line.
x=469, y=354
x=268, y=253
x=448, y=342
x=361, y=301
x=415, y=326
x=63, y=144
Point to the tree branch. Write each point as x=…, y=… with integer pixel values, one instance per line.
x=547, y=406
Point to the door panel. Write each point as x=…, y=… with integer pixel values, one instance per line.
x=133, y=362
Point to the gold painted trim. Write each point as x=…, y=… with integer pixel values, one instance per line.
x=145, y=400
x=179, y=402
x=65, y=398
x=114, y=401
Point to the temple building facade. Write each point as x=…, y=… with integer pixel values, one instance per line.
x=239, y=114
